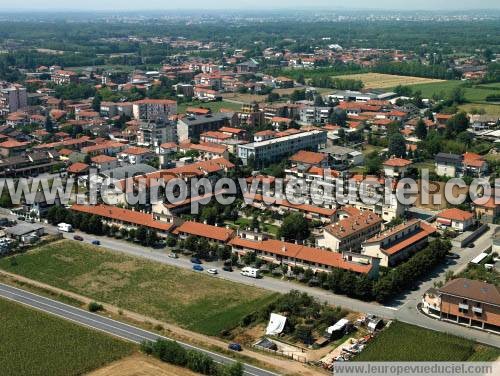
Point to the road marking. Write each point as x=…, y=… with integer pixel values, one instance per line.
x=5, y=288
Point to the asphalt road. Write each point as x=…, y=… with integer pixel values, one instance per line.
x=107, y=325
x=402, y=308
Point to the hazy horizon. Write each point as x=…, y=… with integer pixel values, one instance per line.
x=108, y=5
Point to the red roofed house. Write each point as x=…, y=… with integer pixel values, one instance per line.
x=11, y=148
x=125, y=218
x=78, y=168
x=349, y=233
x=396, y=167
x=474, y=164
x=63, y=77
x=457, y=219
x=213, y=234
x=399, y=243
x=306, y=159
x=136, y=155
x=104, y=162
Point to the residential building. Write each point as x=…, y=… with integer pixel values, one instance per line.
x=264, y=152
x=191, y=127
x=350, y=233
x=468, y=302
x=12, y=148
x=157, y=132
x=153, y=109
x=456, y=219
x=398, y=243
x=213, y=234
x=296, y=255
x=396, y=167
x=124, y=218
x=448, y=164
x=12, y=99
x=342, y=158
x=104, y=162
x=136, y=155
x=64, y=77
x=206, y=150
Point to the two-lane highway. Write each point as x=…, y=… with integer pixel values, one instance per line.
x=107, y=325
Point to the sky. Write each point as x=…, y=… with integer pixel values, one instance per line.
x=122, y=5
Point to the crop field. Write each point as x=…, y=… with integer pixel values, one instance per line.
x=192, y=300
x=33, y=343
x=404, y=342
x=380, y=81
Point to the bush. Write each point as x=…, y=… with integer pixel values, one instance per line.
x=95, y=307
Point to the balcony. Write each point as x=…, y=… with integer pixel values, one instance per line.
x=477, y=310
x=463, y=306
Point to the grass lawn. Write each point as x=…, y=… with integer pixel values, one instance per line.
x=192, y=300
x=490, y=109
x=404, y=342
x=33, y=343
x=380, y=81
x=214, y=106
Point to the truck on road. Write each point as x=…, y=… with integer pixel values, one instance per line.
x=64, y=227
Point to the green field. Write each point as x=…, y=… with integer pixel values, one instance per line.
x=192, y=300
x=33, y=343
x=472, y=94
x=404, y=342
x=214, y=106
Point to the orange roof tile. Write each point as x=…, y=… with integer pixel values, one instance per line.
x=206, y=231
x=123, y=215
x=455, y=214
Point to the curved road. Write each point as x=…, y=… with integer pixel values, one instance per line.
x=107, y=325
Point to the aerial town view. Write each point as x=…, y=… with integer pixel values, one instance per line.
x=252, y=188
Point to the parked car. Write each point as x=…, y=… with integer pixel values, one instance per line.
x=227, y=268
x=173, y=255
x=471, y=245
x=78, y=237
x=235, y=347
x=198, y=268
x=196, y=260
x=96, y=242
x=453, y=256
x=212, y=271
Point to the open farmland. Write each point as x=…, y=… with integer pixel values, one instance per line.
x=404, y=342
x=192, y=300
x=33, y=343
x=380, y=81
x=213, y=106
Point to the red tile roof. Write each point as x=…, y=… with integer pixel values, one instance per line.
x=123, y=215
x=455, y=214
x=301, y=253
x=308, y=157
x=77, y=168
x=206, y=231
x=135, y=150
x=397, y=162
x=353, y=224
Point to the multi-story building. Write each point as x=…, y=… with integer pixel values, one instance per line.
x=399, y=243
x=12, y=99
x=191, y=127
x=296, y=255
x=314, y=115
x=64, y=77
x=467, y=302
x=155, y=133
x=152, y=109
x=349, y=233
x=264, y=152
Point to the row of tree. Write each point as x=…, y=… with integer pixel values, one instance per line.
x=92, y=224
x=173, y=353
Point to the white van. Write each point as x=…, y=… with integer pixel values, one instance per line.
x=250, y=272
x=64, y=227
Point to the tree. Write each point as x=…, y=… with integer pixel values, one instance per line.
x=397, y=145
x=96, y=102
x=457, y=124
x=421, y=130
x=49, y=127
x=141, y=234
x=294, y=227
x=318, y=101
x=235, y=369
x=373, y=163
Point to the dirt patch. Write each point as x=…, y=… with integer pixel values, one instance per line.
x=105, y=280
x=141, y=365
x=382, y=81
